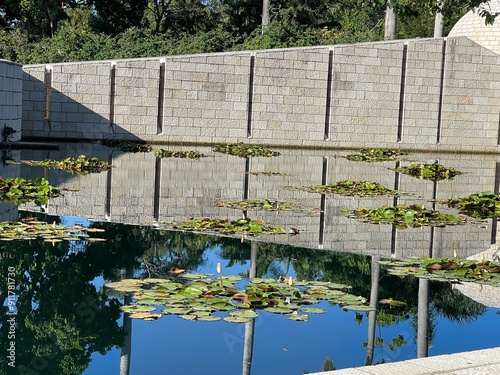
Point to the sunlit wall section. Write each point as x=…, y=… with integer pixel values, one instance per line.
x=206, y=98
x=134, y=94
x=471, y=97
x=290, y=96
x=421, y=97
x=366, y=94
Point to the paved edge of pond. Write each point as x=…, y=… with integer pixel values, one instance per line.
x=477, y=362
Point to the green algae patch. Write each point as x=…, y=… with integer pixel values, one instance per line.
x=243, y=150
x=432, y=172
x=446, y=269
x=375, y=155
x=244, y=226
x=260, y=204
x=483, y=205
x=81, y=165
x=19, y=190
x=403, y=216
x=211, y=299
x=161, y=153
x=349, y=188
x=30, y=229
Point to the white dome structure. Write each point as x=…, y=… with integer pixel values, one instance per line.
x=473, y=26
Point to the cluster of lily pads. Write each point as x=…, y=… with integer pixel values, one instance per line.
x=482, y=205
x=81, y=165
x=127, y=146
x=19, y=190
x=257, y=173
x=161, y=153
x=258, y=204
x=375, y=155
x=244, y=150
x=446, y=269
x=348, y=187
x=199, y=297
x=243, y=226
x=403, y=216
x=433, y=172
x=31, y=229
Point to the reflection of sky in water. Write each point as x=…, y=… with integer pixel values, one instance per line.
x=172, y=345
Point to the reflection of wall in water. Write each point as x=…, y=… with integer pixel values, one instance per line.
x=188, y=188
x=9, y=211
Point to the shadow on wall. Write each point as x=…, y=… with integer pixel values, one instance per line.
x=80, y=104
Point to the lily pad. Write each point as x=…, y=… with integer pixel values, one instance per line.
x=298, y=317
x=236, y=319
x=312, y=310
x=358, y=308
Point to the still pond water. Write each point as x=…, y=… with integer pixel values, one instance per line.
x=66, y=322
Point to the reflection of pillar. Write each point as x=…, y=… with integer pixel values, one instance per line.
x=250, y=326
x=324, y=181
x=395, y=202
x=126, y=352
x=372, y=315
x=423, y=318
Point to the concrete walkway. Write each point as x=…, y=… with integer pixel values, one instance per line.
x=478, y=362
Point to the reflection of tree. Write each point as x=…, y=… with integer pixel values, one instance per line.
x=169, y=249
x=61, y=317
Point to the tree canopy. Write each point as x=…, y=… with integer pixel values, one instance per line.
x=44, y=31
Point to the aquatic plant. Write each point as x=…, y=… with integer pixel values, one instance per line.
x=199, y=297
x=244, y=150
x=243, y=226
x=446, y=269
x=348, y=187
x=19, y=191
x=81, y=165
x=403, y=216
x=433, y=172
x=7, y=133
x=479, y=206
x=257, y=173
x=30, y=229
x=257, y=204
x=375, y=155
x=161, y=153
x=127, y=146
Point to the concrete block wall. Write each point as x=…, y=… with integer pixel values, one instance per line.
x=11, y=80
x=206, y=98
x=78, y=100
x=433, y=94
